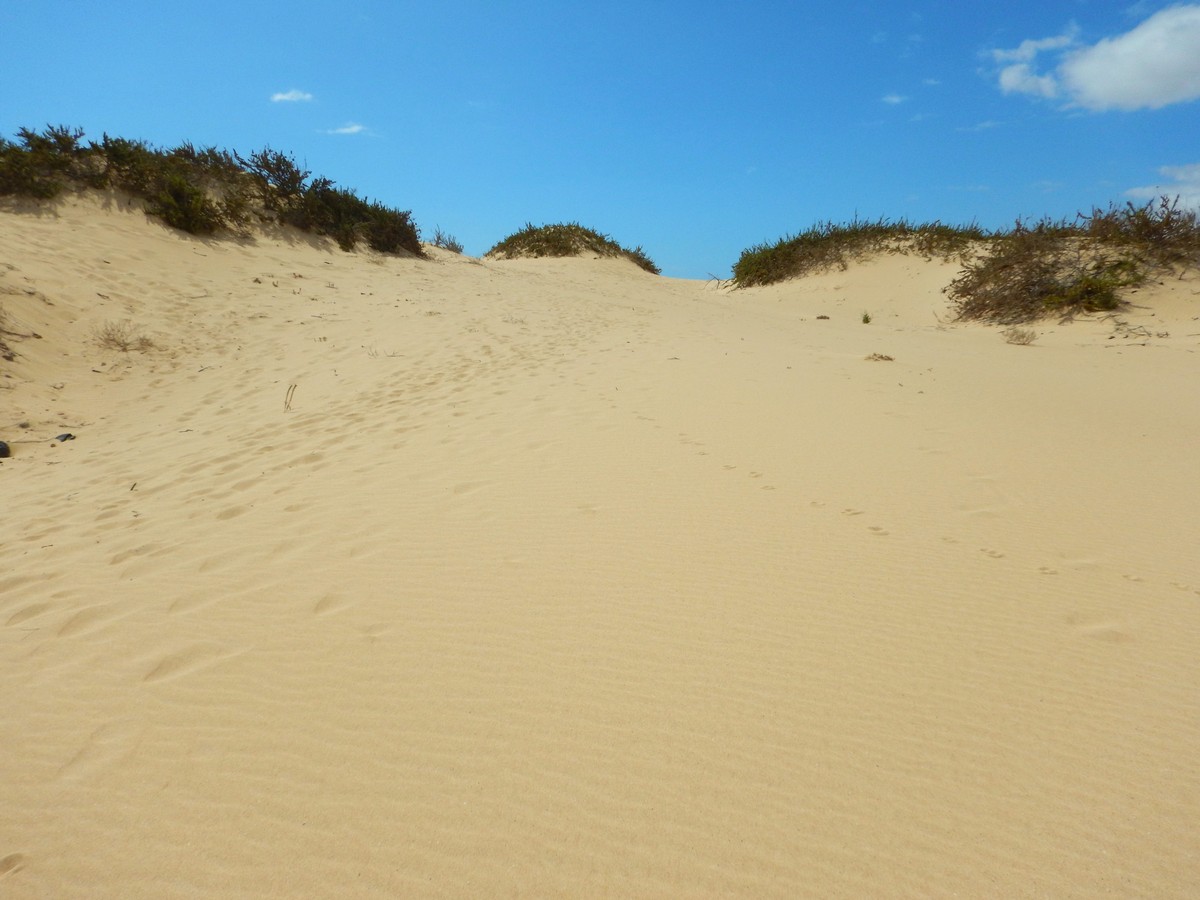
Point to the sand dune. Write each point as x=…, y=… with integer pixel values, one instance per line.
x=378, y=577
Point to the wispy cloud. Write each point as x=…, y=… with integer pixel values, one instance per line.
x=1178, y=181
x=1155, y=64
x=348, y=128
x=985, y=125
x=1027, y=51
x=1048, y=186
x=893, y=99
x=292, y=96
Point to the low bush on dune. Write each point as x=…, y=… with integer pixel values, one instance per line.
x=202, y=190
x=1064, y=269
x=42, y=165
x=570, y=239
x=827, y=245
x=1039, y=270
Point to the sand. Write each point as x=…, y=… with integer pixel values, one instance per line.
x=380, y=577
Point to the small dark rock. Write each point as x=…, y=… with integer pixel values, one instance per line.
x=65, y=437
x=5, y=453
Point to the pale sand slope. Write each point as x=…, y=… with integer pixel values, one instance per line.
x=560, y=579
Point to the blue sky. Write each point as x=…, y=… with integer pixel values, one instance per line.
x=693, y=129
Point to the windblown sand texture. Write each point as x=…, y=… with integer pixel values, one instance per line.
x=382, y=577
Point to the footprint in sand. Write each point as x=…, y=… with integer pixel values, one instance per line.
x=104, y=748
x=330, y=604
x=27, y=612
x=1109, y=632
x=12, y=863
x=186, y=662
x=86, y=620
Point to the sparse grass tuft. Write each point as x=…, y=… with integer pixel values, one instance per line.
x=827, y=245
x=6, y=352
x=120, y=336
x=446, y=241
x=8, y=329
x=569, y=239
x=1023, y=337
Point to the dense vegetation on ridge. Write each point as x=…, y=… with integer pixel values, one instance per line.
x=202, y=191
x=828, y=245
x=1008, y=277
x=568, y=239
x=1045, y=268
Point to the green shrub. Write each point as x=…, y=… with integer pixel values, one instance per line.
x=569, y=239
x=42, y=164
x=280, y=181
x=325, y=209
x=183, y=205
x=391, y=231
x=20, y=177
x=827, y=245
x=130, y=166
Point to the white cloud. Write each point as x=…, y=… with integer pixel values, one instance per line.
x=1020, y=78
x=1179, y=181
x=893, y=99
x=348, y=128
x=292, y=96
x=1028, y=50
x=1155, y=64
x=983, y=126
